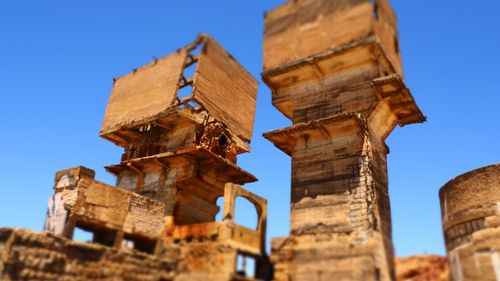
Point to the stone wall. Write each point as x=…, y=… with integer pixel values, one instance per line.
x=32, y=256
x=26, y=255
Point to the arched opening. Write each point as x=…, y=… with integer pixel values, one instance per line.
x=245, y=213
x=220, y=204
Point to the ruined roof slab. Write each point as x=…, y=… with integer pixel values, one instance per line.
x=220, y=85
x=141, y=95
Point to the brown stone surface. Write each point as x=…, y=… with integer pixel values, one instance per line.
x=220, y=86
x=297, y=29
x=32, y=256
x=26, y=255
x=157, y=83
x=362, y=47
x=422, y=268
x=325, y=255
x=116, y=215
x=340, y=211
x=93, y=205
x=342, y=87
x=226, y=89
x=180, y=154
x=183, y=151
x=471, y=224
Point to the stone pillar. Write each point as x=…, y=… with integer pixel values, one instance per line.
x=335, y=71
x=470, y=209
x=340, y=212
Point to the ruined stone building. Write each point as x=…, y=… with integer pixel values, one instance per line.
x=470, y=208
x=334, y=68
x=335, y=71
x=181, y=132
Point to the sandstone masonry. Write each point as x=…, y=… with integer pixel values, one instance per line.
x=334, y=68
x=181, y=136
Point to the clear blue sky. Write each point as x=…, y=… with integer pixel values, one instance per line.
x=58, y=58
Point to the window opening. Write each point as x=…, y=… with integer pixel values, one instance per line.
x=140, y=244
x=220, y=204
x=83, y=235
x=245, y=265
x=245, y=213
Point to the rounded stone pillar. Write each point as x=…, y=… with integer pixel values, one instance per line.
x=470, y=211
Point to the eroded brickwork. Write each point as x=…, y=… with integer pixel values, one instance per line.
x=43, y=256
x=32, y=256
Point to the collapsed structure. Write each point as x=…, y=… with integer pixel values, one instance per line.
x=470, y=208
x=181, y=131
x=335, y=71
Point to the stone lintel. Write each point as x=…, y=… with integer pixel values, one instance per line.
x=167, y=120
x=220, y=86
x=285, y=139
x=393, y=90
x=323, y=66
x=232, y=173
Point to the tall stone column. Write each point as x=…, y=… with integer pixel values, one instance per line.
x=339, y=79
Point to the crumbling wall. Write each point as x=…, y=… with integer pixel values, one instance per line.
x=111, y=214
x=27, y=255
x=200, y=261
